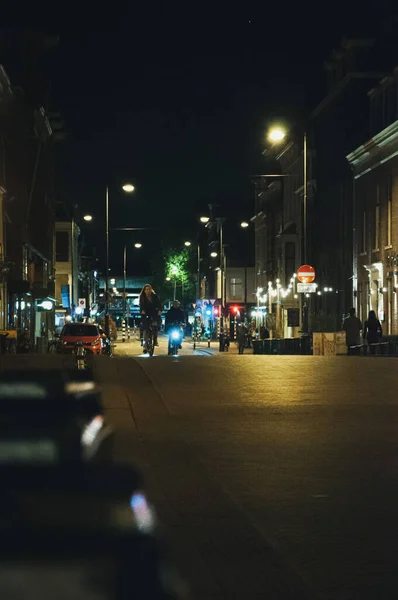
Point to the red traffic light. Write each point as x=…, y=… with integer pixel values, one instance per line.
x=235, y=309
x=215, y=312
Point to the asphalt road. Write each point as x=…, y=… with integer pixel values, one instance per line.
x=273, y=477
x=276, y=477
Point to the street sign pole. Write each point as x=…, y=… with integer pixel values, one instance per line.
x=305, y=275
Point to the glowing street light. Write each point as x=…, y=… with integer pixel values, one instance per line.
x=187, y=244
x=214, y=254
x=128, y=187
x=137, y=245
x=276, y=134
x=204, y=219
x=88, y=218
x=168, y=278
x=244, y=224
x=174, y=270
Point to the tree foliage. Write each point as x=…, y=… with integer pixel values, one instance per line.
x=179, y=266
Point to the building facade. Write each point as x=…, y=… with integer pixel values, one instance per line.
x=335, y=127
x=375, y=212
x=27, y=200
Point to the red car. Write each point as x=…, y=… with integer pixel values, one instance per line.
x=80, y=332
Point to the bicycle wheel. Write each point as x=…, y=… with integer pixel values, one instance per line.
x=150, y=344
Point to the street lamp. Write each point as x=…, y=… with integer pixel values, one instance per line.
x=204, y=219
x=137, y=245
x=127, y=188
x=244, y=224
x=168, y=278
x=276, y=134
x=214, y=254
x=88, y=217
x=187, y=244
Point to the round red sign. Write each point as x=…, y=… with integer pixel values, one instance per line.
x=306, y=274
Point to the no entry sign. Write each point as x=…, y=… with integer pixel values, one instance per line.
x=306, y=274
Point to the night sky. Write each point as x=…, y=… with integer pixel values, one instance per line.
x=176, y=98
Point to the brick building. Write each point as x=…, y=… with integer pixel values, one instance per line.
x=375, y=232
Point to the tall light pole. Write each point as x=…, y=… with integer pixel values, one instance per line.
x=137, y=245
x=188, y=245
x=128, y=188
x=305, y=200
x=277, y=134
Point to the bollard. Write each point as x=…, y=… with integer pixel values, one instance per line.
x=221, y=347
x=123, y=330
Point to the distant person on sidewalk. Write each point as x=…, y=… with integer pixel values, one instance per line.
x=352, y=327
x=264, y=333
x=372, y=331
x=241, y=337
x=151, y=309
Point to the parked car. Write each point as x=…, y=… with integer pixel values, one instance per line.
x=80, y=332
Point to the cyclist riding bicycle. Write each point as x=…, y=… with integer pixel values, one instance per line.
x=151, y=310
x=174, y=316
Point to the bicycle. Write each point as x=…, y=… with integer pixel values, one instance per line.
x=149, y=336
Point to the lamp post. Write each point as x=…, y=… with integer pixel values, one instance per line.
x=128, y=188
x=137, y=245
x=275, y=135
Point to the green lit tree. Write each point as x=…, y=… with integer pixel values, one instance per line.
x=179, y=274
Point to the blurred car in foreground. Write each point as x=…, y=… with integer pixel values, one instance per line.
x=51, y=416
x=74, y=333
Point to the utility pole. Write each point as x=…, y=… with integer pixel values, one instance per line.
x=305, y=303
x=124, y=279
x=107, y=261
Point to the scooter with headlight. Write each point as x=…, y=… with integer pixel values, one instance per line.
x=176, y=334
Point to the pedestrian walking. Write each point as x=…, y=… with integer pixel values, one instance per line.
x=352, y=327
x=241, y=336
x=372, y=331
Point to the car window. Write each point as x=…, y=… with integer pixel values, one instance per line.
x=80, y=330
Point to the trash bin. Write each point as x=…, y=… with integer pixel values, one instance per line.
x=306, y=345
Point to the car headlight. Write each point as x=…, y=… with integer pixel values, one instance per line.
x=95, y=342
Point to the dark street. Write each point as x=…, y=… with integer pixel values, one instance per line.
x=273, y=477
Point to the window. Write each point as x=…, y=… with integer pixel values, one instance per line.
x=62, y=246
x=236, y=289
x=389, y=210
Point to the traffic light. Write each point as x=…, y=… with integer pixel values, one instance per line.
x=235, y=309
x=216, y=311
